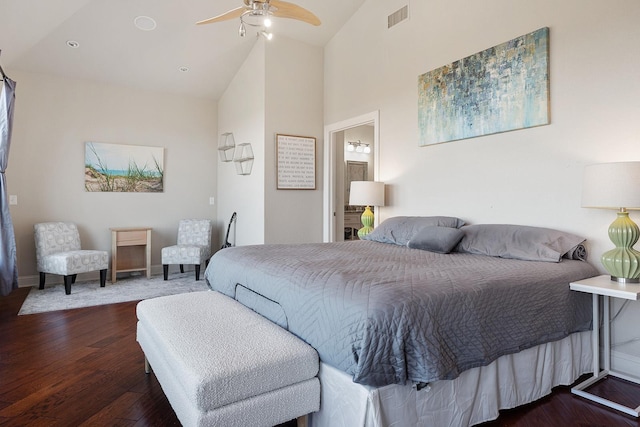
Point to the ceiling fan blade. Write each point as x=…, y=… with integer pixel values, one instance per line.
x=292, y=11
x=233, y=13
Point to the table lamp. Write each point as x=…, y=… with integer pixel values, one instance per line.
x=616, y=186
x=366, y=193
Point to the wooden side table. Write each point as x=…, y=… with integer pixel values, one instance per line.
x=130, y=250
x=605, y=287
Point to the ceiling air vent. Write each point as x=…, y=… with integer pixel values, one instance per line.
x=398, y=16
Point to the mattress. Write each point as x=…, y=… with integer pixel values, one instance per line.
x=386, y=314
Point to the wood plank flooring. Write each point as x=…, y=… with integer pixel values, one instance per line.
x=83, y=367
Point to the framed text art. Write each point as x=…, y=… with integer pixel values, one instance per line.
x=503, y=88
x=296, y=162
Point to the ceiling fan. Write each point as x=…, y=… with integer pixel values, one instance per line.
x=258, y=13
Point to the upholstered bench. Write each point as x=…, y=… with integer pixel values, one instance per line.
x=221, y=364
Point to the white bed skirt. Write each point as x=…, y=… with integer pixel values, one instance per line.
x=474, y=397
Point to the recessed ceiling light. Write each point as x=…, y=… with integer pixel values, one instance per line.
x=145, y=23
x=183, y=69
x=73, y=44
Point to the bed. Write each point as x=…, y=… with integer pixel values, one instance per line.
x=428, y=321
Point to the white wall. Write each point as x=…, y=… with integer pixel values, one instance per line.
x=530, y=176
x=241, y=110
x=278, y=89
x=294, y=93
x=53, y=119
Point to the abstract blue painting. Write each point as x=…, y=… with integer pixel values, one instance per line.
x=499, y=89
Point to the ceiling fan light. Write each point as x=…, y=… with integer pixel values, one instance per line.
x=266, y=35
x=267, y=22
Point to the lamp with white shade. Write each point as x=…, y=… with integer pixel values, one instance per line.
x=366, y=193
x=616, y=186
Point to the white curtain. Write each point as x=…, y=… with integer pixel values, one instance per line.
x=8, y=260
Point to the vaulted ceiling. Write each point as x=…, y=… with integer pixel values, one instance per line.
x=177, y=56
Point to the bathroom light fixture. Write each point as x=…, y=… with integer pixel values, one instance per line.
x=358, y=147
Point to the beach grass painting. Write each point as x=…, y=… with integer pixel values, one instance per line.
x=123, y=168
x=499, y=89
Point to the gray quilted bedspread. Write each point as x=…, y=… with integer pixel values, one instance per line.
x=387, y=314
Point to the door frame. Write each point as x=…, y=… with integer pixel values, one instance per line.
x=330, y=147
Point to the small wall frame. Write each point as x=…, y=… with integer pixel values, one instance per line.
x=296, y=162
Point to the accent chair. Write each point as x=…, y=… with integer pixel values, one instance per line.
x=58, y=251
x=193, y=246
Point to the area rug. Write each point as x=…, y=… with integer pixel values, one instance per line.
x=86, y=294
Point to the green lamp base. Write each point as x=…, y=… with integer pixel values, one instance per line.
x=367, y=221
x=623, y=262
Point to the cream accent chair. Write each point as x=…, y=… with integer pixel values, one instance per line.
x=58, y=252
x=194, y=246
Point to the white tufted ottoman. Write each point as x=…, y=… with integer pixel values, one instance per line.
x=221, y=364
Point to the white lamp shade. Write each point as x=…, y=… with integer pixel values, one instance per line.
x=611, y=185
x=366, y=193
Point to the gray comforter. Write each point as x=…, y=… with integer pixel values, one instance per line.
x=388, y=314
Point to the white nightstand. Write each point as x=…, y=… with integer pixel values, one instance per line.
x=603, y=285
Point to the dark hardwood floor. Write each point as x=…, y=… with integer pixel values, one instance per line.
x=83, y=367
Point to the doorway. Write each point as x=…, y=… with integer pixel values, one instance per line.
x=337, y=136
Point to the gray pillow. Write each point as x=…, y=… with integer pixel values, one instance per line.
x=436, y=239
x=518, y=242
x=400, y=229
